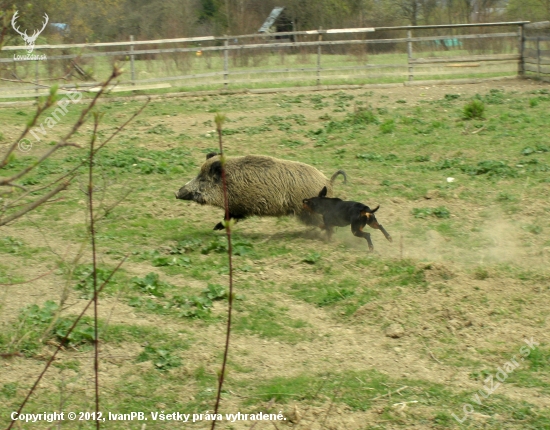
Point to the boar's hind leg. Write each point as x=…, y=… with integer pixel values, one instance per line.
x=220, y=226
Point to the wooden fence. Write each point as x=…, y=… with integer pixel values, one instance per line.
x=536, y=51
x=318, y=57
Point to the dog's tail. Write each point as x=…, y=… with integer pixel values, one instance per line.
x=339, y=172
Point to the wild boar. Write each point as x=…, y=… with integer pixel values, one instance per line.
x=258, y=185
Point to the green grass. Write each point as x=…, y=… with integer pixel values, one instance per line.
x=467, y=254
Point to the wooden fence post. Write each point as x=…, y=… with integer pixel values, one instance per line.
x=132, y=68
x=410, y=54
x=319, y=57
x=538, y=57
x=225, y=61
x=521, y=49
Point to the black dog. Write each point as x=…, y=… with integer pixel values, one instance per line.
x=339, y=213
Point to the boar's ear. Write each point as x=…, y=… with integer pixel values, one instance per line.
x=323, y=192
x=211, y=154
x=216, y=170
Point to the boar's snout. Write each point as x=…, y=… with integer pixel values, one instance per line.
x=186, y=194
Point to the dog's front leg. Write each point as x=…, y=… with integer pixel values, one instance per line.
x=386, y=234
x=357, y=230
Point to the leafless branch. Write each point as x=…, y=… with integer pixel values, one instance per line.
x=219, y=122
x=63, y=341
x=34, y=204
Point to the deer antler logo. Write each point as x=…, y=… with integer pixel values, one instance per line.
x=29, y=40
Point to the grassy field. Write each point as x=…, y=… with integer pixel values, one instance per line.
x=421, y=334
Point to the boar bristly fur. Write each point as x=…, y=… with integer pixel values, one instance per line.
x=258, y=185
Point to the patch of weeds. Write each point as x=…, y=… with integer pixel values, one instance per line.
x=533, y=102
x=84, y=274
x=474, y=109
x=451, y=97
x=407, y=120
x=232, y=131
x=362, y=116
x=285, y=389
x=322, y=296
x=252, y=131
x=422, y=158
x=352, y=388
x=219, y=245
x=194, y=306
x=292, y=143
x=538, y=149
x=443, y=418
x=143, y=160
x=284, y=126
x=402, y=273
x=67, y=364
x=159, y=260
x=312, y=258
x=388, y=126
x=270, y=322
x=160, y=129
x=83, y=332
x=505, y=197
x=533, y=229
x=273, y=120
x=369, y=156
x=10, y=245
x=401, y=101
x=439, y=212
x=162, y=358
x=297, y=118
x=490, y=168
x=150, y=284
x=481, y=273
x=41, y=324
x=447, y=163
x=9, y=390
x=421, y=212
x=494, y=97
x=186, y=246
x=318, y=102
x=292, y=99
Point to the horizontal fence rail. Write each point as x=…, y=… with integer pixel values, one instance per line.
x=314, y=57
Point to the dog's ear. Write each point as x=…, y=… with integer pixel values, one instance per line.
x=323, y=192
x=375, y=209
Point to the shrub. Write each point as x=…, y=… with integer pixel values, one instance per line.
x=474, y=109
x=388, y=126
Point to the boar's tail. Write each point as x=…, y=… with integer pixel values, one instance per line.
x=339, y=172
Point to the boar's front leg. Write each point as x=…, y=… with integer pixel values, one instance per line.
x=220, y=226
